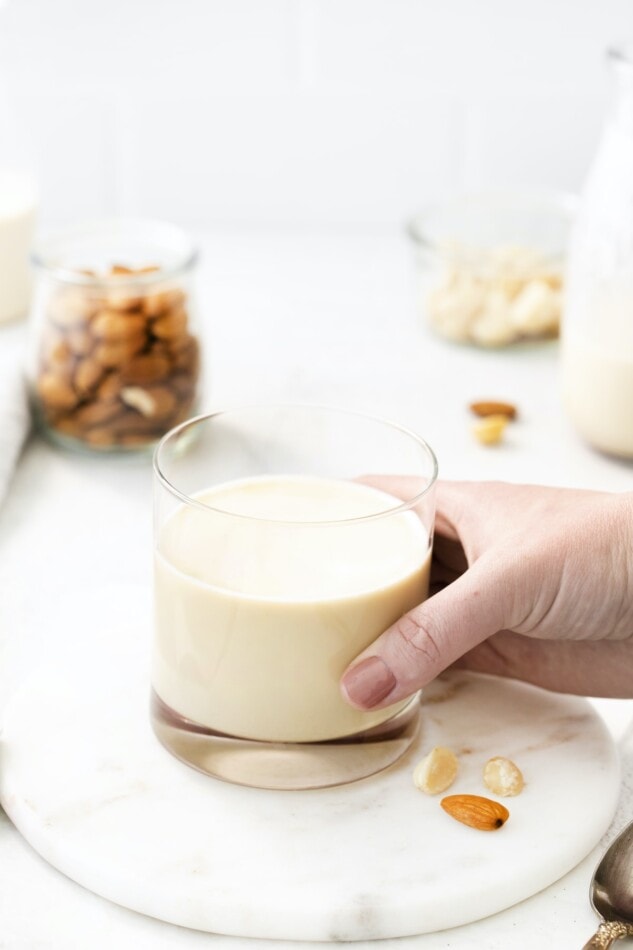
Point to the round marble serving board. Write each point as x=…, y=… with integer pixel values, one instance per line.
x=88, y=785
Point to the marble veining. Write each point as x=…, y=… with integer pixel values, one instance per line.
x=89, y=787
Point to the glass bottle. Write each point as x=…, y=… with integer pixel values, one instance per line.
x=597, y=335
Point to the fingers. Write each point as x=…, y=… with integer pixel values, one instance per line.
x=586, y=668
x=449, y=498
x=428, y=639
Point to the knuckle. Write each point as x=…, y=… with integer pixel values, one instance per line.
x=417, y=640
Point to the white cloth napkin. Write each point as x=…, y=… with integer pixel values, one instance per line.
x=15, y=419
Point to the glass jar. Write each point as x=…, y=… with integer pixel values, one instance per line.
x=489, y=265
x=597, y=343
x=114, y=359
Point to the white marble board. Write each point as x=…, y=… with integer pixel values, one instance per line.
x=87, y=784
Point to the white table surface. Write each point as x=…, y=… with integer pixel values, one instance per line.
x=318, y=318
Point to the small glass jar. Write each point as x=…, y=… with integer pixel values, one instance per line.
x=597, y=339
x=489, y=266
x=114, y=360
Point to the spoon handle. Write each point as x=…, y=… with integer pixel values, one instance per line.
x=607, y=933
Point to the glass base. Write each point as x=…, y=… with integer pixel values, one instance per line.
x=286, y=765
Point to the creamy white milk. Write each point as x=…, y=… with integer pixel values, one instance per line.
x=256, y=620
x=18, y=203
x=598, y=393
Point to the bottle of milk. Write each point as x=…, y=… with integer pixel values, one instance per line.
x=597, y=332
x=18, y=204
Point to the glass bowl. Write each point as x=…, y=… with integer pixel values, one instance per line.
x=489, y=265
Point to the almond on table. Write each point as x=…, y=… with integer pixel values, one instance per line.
x=490, y=431
x=478, y=812
x=437, y=771
x=491, y=407
x=503, y=777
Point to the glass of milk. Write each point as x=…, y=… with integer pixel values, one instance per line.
x=277, y=561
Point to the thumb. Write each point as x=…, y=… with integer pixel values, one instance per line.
x=429, y=638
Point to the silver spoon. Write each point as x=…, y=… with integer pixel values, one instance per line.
x=611, y=892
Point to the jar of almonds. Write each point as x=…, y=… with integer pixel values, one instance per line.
x=114, y=359
x=489, y=266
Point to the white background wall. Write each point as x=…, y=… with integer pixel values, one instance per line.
x=301, y=112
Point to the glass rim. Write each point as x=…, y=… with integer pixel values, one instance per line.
x=41, y=254
x=193, y=502
x=562, y=203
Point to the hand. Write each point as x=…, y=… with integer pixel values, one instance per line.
x=527, y=582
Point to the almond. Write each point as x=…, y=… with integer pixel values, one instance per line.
x=87, y=374
x=492, y=408
x=55, y=392
x=113, y=354
x=160, y=302
x=489, y=431
x=502, y=776
x=172, y=325
x=436, y=772
x=96, y=413
x=147, y=368
x=476, y=811
x=111, y=326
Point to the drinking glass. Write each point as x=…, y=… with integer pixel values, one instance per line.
x=277, y=561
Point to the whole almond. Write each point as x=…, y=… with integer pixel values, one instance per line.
x=492, y=408
x=115, y=354
x=55, y=392
x=96, y=413
x=110, y=325
x=172, y=325
x=60, y=359
x=110, y=388
x=87, y=374
x=158, y=303
x=164, y=399
x=148, y=368
x=476, y=811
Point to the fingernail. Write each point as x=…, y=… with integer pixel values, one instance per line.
x=367, y=683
